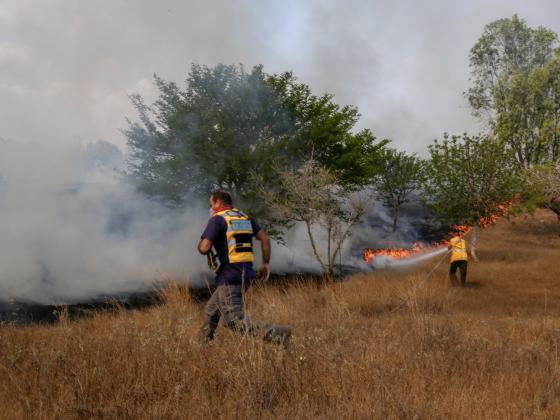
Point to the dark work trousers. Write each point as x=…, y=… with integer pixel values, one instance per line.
x=227, y=301
x=462, y=266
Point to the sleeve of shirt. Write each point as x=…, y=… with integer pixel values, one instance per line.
x=256, y=227
x=213, y=229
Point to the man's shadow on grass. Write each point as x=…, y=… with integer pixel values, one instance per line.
x=473, y=285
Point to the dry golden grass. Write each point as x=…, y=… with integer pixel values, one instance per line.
x=382, y=345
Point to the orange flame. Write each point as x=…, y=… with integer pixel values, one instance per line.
x=419, y=248
x=397, y=253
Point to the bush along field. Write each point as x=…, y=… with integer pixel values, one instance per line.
x=386, y=344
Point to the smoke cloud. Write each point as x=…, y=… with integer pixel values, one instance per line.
x=70, y=228
x=66, y=67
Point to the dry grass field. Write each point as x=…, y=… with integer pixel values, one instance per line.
x=384, y=345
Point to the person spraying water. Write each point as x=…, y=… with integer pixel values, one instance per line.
x=458, y=248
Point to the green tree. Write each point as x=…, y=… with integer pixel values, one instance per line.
x=515, y=88
x=469, y=179
x=227, y=125
x=223, y=125
x=400, y=175
x=324, y=132
x=542, y=188
x=531, y=124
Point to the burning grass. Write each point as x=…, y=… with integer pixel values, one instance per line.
x=417, y=248
x=369, y=255
x=387, y=344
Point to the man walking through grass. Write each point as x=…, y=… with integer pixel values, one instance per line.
x=459, y=258
x=230, y=232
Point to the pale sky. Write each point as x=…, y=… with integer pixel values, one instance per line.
x=67, y=66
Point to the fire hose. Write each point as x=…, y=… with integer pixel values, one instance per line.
x=438, y=264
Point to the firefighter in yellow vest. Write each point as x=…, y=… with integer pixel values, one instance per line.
x=458, y=248
x=230, y=233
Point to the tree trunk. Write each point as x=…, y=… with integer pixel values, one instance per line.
x=395, y=217
x=313, y=245
x=330, y=275
x=555, y=206
x=329, y=233
x=556, y=211
x=330, y=268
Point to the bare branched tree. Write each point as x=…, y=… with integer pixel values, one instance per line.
x=312, y=195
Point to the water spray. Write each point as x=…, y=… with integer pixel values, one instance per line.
x=382, y=261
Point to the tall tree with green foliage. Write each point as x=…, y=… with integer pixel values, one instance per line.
x=325, y=133
x=227, y=125
x=400, y=175
x=223, y=125
x=542, y=188
x=469, y=179
x=516, y=79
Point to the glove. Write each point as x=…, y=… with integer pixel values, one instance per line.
x=212, y=261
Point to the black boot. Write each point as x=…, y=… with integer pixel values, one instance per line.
x=453, y=279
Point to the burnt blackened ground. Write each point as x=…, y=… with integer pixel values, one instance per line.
x=22, y=313
x=25, y=312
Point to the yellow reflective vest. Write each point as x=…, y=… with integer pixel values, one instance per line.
x=458, y=249
x=239, y=235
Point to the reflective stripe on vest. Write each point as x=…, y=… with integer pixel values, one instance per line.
x=239, y=236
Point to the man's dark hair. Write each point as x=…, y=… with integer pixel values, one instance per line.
x=223, y=196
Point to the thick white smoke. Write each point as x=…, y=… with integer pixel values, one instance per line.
x=70, y=230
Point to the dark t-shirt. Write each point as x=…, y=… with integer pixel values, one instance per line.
x=231, y=273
